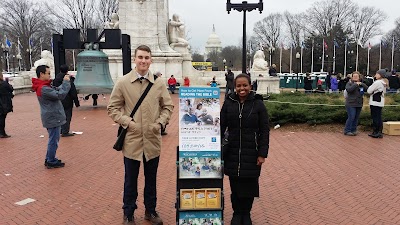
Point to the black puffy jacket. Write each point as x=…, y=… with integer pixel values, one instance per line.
x=72, y=96
x=6, y=95
x=248, y=138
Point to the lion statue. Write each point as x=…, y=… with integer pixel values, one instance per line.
x=259, y=63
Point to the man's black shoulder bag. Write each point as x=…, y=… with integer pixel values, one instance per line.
x=121, y=131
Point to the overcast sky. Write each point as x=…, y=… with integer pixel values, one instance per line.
x=200, y=15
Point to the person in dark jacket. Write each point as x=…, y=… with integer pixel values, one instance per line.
x=307, y=84
x=69, y=100
x=51, y=111
x=6, y=105
x=394, y=82
x=245, y=118
x=354, y=102
x=229, y=77
x=272, y=71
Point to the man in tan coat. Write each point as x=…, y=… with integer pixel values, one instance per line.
x=143, y=139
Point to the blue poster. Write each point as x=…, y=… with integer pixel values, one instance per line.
x=200, y=218
x=199, y=133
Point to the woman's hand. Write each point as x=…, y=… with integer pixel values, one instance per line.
x=260, y=160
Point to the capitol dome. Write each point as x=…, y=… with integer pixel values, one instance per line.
x=213, y=43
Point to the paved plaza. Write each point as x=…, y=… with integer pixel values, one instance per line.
x=308, y=178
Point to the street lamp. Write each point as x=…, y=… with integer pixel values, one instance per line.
x=350, y=53
x=19, y=62
x=5, y=50
x=244, y=7
x=224, y=61
x=297, y=75
x=271, y=50
x=13, y=63
x=29, y=50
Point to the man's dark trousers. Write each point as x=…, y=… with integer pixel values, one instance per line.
x=131, y=182
x=66, y=126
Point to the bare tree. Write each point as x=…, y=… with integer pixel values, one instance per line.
x=24, y=19
x=74, y=14
x=326, y=14
x=295, y=28
x=366, y=23
x=105, y=8
x=268, y=30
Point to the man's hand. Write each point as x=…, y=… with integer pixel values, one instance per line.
x=260, y=160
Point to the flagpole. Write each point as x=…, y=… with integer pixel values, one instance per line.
x=323, y=54
x=280, y=60
x=312, y=56
x=368, y=61
x=392, y=52
x=334, y=57
x=8, y=61
x=380, y=54
x=19, y=55
x=291, y=53
x=345, y=59
x=357, y=58
x=30, y=51
x=73, y=57
x=301, y=60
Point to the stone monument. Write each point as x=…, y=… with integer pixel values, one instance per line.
x=113, y=23
x=147, y=22
x=265, y=83
x=260, y=65
x=46, y=59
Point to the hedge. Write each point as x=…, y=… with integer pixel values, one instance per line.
x=332, y=110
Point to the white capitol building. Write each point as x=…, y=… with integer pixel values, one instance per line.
x=213, y=43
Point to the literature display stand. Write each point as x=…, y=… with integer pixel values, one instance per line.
x=199, y=194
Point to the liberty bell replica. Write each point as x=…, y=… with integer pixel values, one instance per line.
x=93, y=75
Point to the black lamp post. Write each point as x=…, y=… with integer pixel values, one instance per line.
x=297, y=75
x=224, y=61
x=350, y=53
x=244, y=6
x=5, y=50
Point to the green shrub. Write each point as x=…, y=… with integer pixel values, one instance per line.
x=333, y=112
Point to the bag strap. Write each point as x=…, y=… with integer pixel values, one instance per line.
x=141, y=99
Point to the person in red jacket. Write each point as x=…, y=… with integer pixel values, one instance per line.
x=172, y=84
x=186, y=82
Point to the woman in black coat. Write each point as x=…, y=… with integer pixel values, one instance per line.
x=245, y=118
x=308, y=83
x=5, y=104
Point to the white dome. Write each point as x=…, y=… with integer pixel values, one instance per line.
x=213, y=40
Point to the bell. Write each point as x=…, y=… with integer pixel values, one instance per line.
x=93, y=74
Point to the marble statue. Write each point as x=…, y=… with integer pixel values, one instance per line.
x=114, y=23
x=259, y=63
x=176, y=30
x=46, y=59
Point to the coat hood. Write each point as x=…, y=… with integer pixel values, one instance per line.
x=38, y=84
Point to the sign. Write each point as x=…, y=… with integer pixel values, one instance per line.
x=201, y=63
x=199, y=133
x=200, y=218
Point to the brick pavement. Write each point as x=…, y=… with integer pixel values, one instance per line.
x=309, y=178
